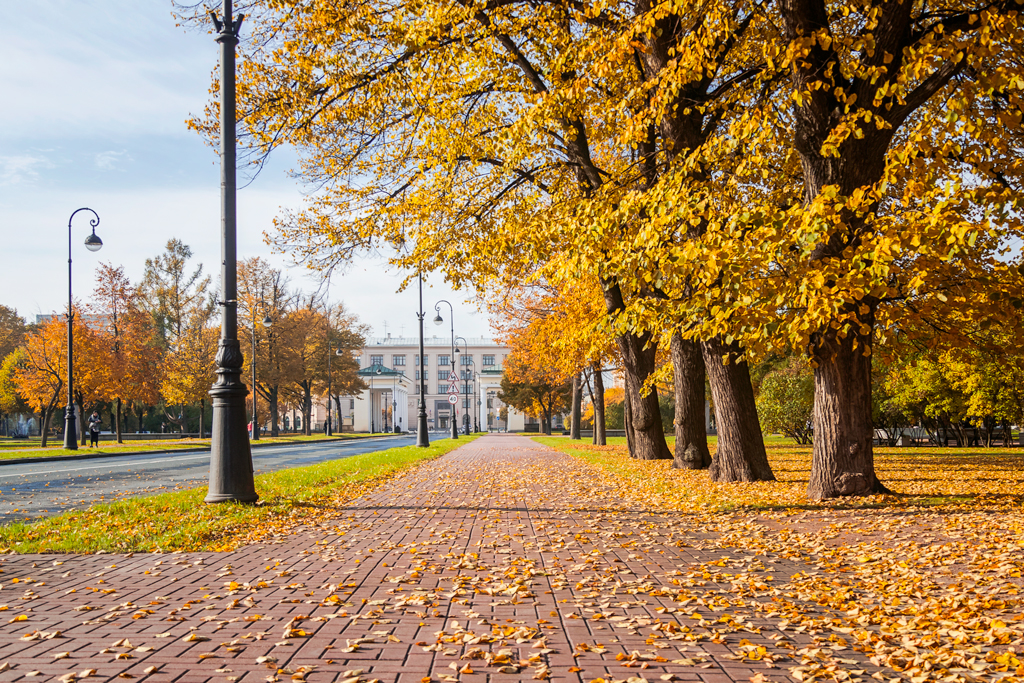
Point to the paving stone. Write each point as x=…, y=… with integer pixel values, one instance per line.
x=503, y=548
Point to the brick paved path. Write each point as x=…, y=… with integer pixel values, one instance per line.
x=501, y=561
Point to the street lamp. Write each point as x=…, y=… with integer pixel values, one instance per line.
x=330, y=428
x=422, y=439
x=267, y=322
x=465, y=384
x=438, y=320
x=231, y=471
x=92, y=243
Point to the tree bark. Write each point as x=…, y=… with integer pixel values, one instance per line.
x=639, y=361
x=600, y=426
x=577, y=406
x=627, y=423
x=202, y=417
x=691, y=437
x=843, y=460
x=275, y=430
x=740, y=455
x=117, y=420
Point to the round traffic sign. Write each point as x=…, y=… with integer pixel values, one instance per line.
x=453, y=398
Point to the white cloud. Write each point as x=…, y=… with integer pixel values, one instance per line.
x=108, y=161
x=19, y=169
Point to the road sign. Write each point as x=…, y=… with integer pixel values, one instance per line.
x=453, y=389
x=453, y=398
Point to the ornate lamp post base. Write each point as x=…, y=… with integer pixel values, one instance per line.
x=231, y=472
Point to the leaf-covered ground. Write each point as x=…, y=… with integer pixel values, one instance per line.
x=927, y=583
x=508, y=561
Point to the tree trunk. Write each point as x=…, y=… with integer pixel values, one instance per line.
x=307, y=409
x=644, y=428
x=639, y=361
x=272, y=409
x=82, y=427
x=627, y=423
x=202, y=417
x=843, y=460
x=577, y=406
x=691, y=437
x=117, y=421
x=740, y=455
x=600, y=426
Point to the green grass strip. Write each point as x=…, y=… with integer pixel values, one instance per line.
x=166, y=522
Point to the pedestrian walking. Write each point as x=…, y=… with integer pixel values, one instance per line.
x=94, y=430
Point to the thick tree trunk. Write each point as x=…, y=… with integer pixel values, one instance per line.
x=117, y=420
x=307, y=410
x=600, y=423
x=740, y=455
x=691, y=437
x=272, y=408
x=648, y=434
x=639, y=360
x=627, y=423
x=577, y=406
x=843, y=460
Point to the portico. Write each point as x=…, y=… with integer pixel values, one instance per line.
x=384, y=405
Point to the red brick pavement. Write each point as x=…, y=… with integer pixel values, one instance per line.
x=502, y=561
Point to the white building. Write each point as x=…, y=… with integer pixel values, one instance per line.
x=389, y=366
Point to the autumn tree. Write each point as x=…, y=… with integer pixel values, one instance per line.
x=133, y=367
x=189, y=370
x=173, y=291
x=535, y=394
x=561, y=329
x=263, y=292
x=41, y=375
x=12, y=330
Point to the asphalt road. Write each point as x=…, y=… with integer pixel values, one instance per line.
x=31, y=490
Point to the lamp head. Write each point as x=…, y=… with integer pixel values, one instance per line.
x=339, y=352
x=92, y=242
x=380, y=371
x=438, y=319
x=267, y=322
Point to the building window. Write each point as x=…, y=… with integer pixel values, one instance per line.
x=488, y=361
x=465, y=403
x=466, y=359
x=442, y=389
x=467, y=374
x=377, y=360
x=351, y=404
x=443, y=360
x=398, y=360
x=425, y=359
x=490, y=403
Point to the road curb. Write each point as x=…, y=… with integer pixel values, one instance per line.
x=95, y=456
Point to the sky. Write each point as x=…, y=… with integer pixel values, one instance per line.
x=95, y=99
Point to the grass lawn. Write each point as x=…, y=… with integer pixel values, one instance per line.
x=181, y=521
x=31, y=448
x=926, y=476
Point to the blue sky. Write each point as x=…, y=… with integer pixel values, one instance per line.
x=95, y=98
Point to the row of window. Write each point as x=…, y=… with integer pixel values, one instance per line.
x=398, y=360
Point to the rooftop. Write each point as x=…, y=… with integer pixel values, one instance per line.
x=433, y=340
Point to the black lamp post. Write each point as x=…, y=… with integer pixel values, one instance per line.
x=231, y=471
x=438, y=320
x=465, y=385
x=92, y=243
x=422, y=440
